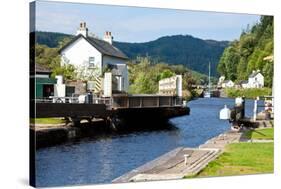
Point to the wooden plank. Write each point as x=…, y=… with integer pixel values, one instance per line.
x=70, y=110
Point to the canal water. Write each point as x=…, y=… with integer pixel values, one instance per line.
x=101, y=159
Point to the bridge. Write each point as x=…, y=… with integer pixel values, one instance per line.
x=119, y=108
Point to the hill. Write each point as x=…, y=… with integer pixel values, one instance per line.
x=186, y=50
x=51, y=39
x=192, y=52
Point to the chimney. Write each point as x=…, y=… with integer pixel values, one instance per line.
x=108, y=37
x=83, y=30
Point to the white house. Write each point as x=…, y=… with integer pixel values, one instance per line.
x=97, y=53
x=255, y=80
x=227, y=84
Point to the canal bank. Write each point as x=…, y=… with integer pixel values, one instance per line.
x=46, y=135
x=183, y=162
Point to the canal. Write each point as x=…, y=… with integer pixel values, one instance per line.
x=103, y=158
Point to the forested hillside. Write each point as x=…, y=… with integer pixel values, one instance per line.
x=186, y=50
x=50, y=39
x=243, y=56
x=192, y=52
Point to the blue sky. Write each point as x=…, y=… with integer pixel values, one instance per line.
x=133, y=24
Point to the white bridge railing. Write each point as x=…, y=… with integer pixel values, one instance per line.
x=145, y=101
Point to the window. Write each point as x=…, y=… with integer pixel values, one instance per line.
x=91, y=62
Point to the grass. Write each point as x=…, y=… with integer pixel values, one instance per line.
x=47, y=120
x=264, y=134
x=241, y=159
x=248, y=93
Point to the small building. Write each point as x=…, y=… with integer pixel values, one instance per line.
x=44, y=84
x=95, y=53
x=227, y=84
x=221, y=80
x=255, y=80
x=171, y=86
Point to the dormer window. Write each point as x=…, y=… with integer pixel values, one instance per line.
x=91, y=62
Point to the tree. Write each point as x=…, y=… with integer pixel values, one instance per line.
x=50, y=58
x=166, y=74
x=83, y=72
x=67, y=71
x=243, y=56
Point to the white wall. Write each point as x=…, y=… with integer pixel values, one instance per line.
x=227, y=84
x=78, y=53
x=256, y=82
x=107, y=85
x=230, y=84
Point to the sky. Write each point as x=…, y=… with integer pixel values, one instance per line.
x=134, y=24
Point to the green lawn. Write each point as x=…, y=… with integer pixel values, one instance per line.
x=266, y=134
x=248, y=93
x=240, y=159
x=47, y=120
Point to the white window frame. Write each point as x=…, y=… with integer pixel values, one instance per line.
x=92, y=62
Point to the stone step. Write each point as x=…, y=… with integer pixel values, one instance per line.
x=201, y=163
x=204, y=163
x=195, y=163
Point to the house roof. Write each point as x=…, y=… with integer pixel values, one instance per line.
x=254, y=74
x=243, y=82
x=104, y=47
x=42, y=69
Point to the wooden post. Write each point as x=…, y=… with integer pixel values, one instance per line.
x=158, y=101
x=140, y=102
x=170, y=101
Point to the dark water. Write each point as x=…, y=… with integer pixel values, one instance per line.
x=101, y=159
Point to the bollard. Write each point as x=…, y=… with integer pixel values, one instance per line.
x=243, y=107
x=185, y=158
x=225, y=113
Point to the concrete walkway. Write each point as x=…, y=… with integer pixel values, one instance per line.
x=173, y=164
